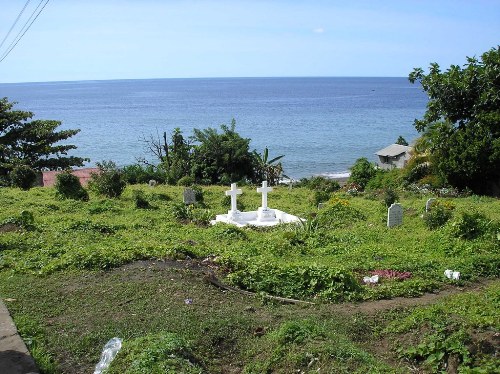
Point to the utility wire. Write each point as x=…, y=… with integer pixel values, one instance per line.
x=14, y=42
x=23, y=30
x=14, y=24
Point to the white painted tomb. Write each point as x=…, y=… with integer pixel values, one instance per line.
x=264, y=216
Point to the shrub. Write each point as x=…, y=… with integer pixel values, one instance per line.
x=140, y=200
x=470, y=226
x=361, y=172
x=297, y=281
x=385, y=179
x=319, y=183
x=437, y=216
x=23, y=177
x=138, y=174
x=180, y=211
x=25, y=220
x=390, y=197
x=68, y=186
x=108, y=181
x=319, y=197
x=186, y=181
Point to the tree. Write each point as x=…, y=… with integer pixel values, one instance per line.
x=221, y=158
x=461, y=126
x=32, y=143
x=361, y=172
x=265, y=169
x=401, y=141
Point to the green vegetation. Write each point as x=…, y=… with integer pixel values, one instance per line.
x=32, y=145
x=108, y=181
x=460, y=130
x=208, y=157
x=58, y=264
x=68, y=186
x=361, y=172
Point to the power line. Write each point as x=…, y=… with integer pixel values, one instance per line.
x=14, y=42
x=15, y=22
x=23, y=30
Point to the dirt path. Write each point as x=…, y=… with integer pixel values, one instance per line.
x=366, y=307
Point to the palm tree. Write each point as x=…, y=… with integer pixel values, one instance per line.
x=265, y=169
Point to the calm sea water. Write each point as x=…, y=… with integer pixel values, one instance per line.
x=321, y=125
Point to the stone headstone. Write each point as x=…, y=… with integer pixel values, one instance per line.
x=321, y=205
x=429, y=203
x=394, y=215
x=189, y=196
x=233, y=213
x=152, y=183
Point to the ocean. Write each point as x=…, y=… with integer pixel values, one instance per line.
x=321, y=125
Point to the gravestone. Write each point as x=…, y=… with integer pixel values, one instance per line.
x=152, y=183
x=264, y=213
x=189, y=196
x=234, y=214
x=394, y=215
x=429, y=203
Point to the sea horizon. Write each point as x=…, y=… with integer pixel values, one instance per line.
x=218, y=77
x=321, y=124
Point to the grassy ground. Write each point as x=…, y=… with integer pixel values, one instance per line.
x=71, y=295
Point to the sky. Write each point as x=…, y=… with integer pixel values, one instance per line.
x=75, y=40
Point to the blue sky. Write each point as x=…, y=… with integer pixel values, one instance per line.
x=106, y=39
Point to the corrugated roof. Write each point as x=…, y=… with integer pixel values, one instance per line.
x=393, y=150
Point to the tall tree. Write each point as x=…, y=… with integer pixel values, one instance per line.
x=462, y=121
x=32, y=143
x=221, y=157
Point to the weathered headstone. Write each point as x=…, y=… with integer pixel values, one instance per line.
x=189, y=197
x=394, y=215
x=429, y=203
x=152, y=183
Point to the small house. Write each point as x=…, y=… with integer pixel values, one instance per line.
x=394, y=156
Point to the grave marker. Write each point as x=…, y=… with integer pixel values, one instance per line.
x=264, y=190
x=233, y=192
x=429, y=203
x=394, y=215
x=189, y=197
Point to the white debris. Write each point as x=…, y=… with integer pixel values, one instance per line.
x=451, y=274
x=371, y=280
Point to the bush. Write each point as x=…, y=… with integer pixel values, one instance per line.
x=23, y=177
x=186, y=181
x=361, y=172
x=302, y=281
x=108, y=181
x=390, y=197
x=470, y=226
x=25, y=220
x=68, y=186
x=437, y=216
x=140, y=200
x=139, y=174
x=319, y=197
x=385, y=179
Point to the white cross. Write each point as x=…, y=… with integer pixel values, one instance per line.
x=233, y=192
x=264, y=190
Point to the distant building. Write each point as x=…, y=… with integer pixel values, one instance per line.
x=394, y=156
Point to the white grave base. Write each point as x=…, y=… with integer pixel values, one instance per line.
x=267, y=217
